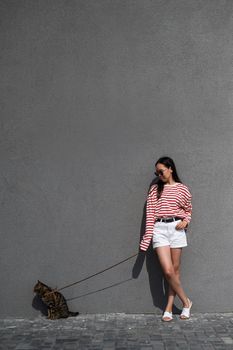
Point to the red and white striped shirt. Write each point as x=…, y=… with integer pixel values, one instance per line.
x=175, y=200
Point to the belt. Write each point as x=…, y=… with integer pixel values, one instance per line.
x=168, y=219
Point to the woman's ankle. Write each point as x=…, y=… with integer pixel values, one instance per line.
x=187, y=303
x=168, y=308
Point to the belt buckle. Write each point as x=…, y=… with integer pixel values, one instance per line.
x=172, y=219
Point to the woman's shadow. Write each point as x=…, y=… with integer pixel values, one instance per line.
x=158, y=284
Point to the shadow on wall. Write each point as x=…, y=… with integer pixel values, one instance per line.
x=157, y=283
x=38, y=304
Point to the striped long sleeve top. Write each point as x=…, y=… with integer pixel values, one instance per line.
x=174, y=201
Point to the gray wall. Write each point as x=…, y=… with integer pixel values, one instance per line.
x=92, y=93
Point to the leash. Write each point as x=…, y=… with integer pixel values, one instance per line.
x=100, y=290
x=97, y=273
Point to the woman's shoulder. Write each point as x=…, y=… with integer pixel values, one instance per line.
x=184, y=188
x=153, y=189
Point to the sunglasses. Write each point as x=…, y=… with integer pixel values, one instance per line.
x=160, y=172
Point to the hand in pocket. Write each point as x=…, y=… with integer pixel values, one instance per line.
x=181, y=225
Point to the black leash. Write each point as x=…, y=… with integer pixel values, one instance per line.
x=100, y=290
x=97, y=273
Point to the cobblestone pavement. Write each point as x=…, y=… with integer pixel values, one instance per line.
x=118, y=331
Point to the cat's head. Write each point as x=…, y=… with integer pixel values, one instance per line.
x=40, y=288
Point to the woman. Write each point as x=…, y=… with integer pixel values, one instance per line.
x=168, y=214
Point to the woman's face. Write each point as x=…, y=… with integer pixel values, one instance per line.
x=163, y=172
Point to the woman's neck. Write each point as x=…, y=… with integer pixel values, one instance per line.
x=170, y=182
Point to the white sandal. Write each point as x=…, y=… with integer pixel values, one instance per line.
x=185, y=314
x=168, y=315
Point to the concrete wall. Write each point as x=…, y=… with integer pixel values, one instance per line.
x=92, y=94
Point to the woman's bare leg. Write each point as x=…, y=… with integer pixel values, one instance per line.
x=175, y=257
x=165, y=259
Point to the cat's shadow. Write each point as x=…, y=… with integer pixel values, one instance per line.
x=38, y=304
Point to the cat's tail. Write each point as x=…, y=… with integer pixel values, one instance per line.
x=73, y=314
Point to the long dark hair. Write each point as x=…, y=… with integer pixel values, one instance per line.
x=169, y=163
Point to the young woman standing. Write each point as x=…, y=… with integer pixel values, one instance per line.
x=168, y=214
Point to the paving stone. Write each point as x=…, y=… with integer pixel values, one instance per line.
x=207, y=347
x=227, y=340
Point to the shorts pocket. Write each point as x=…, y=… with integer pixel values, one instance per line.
x=176, y=223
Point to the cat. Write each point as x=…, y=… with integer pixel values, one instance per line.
x=54, y=300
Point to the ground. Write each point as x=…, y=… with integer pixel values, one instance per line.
x=118, y=331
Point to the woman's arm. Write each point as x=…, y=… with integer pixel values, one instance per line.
x=150, y=220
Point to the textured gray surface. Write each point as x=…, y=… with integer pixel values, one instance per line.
x=119, y=332
x=92, y=93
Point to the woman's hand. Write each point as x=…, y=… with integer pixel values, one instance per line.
x=181, y=225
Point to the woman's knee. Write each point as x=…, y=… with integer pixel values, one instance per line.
x=169, y=272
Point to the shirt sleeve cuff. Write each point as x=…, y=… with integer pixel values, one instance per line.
x=143, y=246
x=187, y=220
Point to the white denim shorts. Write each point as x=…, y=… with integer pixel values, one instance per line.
x=166, y=234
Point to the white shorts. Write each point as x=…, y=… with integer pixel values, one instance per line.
x=166, y=234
